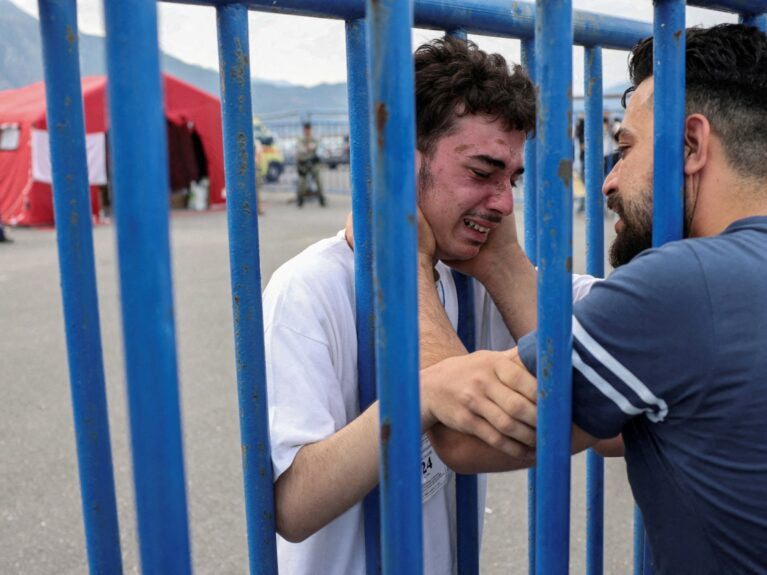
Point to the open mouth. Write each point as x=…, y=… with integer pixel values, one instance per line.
x=474, y=226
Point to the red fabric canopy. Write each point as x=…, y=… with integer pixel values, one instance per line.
x=24, y=201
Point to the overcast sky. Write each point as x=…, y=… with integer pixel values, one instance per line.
x=310, y=51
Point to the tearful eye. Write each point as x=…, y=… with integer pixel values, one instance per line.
x=480, y=174
x=622, y=151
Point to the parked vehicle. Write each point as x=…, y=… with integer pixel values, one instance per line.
x=270, y=161
x=334, y=150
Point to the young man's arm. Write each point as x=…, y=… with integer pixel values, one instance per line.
x=469, y=454
x=327, y=477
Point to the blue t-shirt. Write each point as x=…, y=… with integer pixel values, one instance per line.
x=671, y=351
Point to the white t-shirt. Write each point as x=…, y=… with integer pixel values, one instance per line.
x=311, y=367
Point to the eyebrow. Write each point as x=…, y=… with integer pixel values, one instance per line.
x=489, y=160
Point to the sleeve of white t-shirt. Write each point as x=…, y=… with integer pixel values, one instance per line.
x=305, y=396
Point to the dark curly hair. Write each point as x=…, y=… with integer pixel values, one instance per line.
x=454, y=78
x=726, y=79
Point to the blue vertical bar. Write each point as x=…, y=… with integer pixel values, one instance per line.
x=362, y=208
x=639, y=538
x=394, y=243
x=71, y=203
x=755, y=20
x=466, y=485
x=531, y=249
x=595, y=247
x=140, y=177
x=468, y=512
x=554, y=39
x=595, y=242
x=669, y=113
x=531, y=165
x=245, y=266
x=649, y=568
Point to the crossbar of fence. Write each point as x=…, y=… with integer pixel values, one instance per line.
x=382, y=138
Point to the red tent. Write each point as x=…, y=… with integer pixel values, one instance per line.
x=194, y=124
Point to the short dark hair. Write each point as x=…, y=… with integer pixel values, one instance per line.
x=454, y=78
x=726, y=81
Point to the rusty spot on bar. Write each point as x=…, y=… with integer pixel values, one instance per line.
x=385, y=431
x=411, y=219
x=565, y=172
x=71, y=36
x=569, y=264
x=242, y=145
x=382, y=116
x=677, y=35
x=241, y=63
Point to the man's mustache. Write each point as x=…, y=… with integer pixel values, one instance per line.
x=494, y=218
x=614, y=204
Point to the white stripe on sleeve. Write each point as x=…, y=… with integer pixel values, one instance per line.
x=602, y=385
x=620, y=371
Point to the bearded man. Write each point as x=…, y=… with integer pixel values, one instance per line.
x=669, y=351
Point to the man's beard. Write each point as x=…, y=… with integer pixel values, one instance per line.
x=636, y=235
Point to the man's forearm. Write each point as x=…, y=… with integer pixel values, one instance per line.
x=512, y=287
x=438, y=337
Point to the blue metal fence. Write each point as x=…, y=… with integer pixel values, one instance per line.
x=382, y=158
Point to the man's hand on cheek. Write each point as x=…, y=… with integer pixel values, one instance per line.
x=427, y=245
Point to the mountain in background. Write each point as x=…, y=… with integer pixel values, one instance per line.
x=21, y=63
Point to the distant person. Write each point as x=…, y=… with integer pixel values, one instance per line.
x=609, y=144
x=308, y=165
x=3, y=237
x=580, y=138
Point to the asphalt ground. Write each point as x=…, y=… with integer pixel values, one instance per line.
x=41, y=529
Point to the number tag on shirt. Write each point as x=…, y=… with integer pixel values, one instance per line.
x=434, y=472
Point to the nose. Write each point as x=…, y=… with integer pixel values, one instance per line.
x=610, y=185
x=502, y=201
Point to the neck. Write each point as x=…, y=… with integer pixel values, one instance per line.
x=725, y=199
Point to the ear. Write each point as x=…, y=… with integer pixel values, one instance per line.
x=697, y=142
